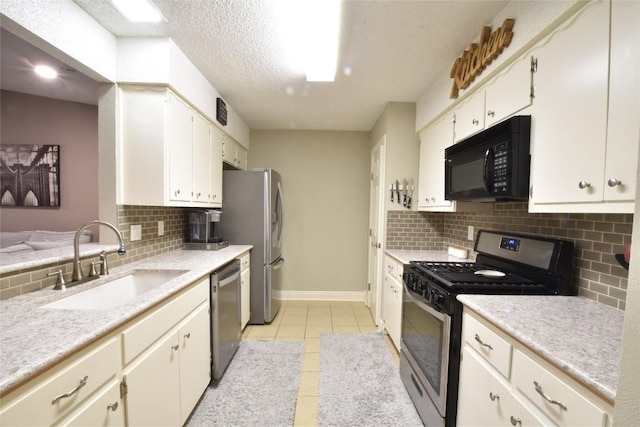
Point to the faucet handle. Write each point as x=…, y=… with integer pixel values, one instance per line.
x=93, y=271
x=104, y=266
x=60, y=283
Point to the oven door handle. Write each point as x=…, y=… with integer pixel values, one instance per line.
x=428, y=308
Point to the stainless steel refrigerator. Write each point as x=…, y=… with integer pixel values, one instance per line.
x=252, y=215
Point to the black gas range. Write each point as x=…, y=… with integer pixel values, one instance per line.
x=506, y=263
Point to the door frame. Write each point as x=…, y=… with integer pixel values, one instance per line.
x=374, y=281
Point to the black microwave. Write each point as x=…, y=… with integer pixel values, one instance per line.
x=492, y=165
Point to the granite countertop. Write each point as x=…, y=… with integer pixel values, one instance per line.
x=579, y=336
x=404, y=256
x=33, y=338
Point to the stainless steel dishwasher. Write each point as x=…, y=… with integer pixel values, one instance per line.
x=225, y=317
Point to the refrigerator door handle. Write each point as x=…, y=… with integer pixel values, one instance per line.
x=278, y=264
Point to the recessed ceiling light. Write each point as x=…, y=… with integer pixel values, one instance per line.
x=46, y=72
x=138, y=10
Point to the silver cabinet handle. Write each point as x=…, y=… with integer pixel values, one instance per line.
x=547, y=398
x=113, y=406
x=515, y=421
x=613, y=182
x=477, y=338
x=175, y=347
x=187, y=335
x=491, y=113
x=493, y=396
x=475, y=121
x=82, y=383
x=583, y=184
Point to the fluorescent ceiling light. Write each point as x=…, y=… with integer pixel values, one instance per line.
x=311, y=31
x=45, y=71
x=138, y=10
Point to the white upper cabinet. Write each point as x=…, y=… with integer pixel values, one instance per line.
x=469, y=116
x=503, y=96
x=586, y=113
x=234, y=154
x=433, y=142
x=170, y=154
x=623, y=128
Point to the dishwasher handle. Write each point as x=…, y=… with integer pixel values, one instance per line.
x=227, y=275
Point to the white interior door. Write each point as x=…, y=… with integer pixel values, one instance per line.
x=376, y=228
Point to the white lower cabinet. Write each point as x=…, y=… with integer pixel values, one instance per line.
x=59, y=392
x=245, y=289
x=504, y=383
x=151, y=371
x=485, y=399
x=165, y=381
x=105, y=409
x=392, y=300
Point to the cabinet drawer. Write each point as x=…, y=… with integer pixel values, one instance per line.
x=245, y=261
x=141, y=335
x=485, y=400
x=572, y=408
x=390, y=266
x=36, y=406
x=496, y=350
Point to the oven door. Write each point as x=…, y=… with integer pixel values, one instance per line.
x=425, y=344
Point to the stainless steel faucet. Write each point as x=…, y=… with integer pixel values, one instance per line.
x=77, y=271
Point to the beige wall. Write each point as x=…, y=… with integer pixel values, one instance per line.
x=325, y=178
x=28, y=119
x=397, y=122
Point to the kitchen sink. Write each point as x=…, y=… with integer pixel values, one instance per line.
x=117, y=291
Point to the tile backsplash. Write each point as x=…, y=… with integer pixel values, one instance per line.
x=175, y=224
x=597, y=238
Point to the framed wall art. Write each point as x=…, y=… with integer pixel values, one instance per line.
x=30, y=176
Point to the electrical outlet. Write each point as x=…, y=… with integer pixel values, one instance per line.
x=136, y=232
x=160, y=228
x=470, y=234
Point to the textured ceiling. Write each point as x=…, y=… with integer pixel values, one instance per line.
x=394, y=48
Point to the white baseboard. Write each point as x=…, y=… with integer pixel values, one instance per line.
x=319, y=296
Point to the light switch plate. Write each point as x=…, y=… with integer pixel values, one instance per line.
x=136, y=232
x=470, y=233
x=160, y=228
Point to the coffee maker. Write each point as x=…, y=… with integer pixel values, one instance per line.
x=201, y=230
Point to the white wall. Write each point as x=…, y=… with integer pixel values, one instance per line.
x=65, y=31
x=533, y=20
x=325, y=178
x=28, y=119
x=627, y=408
x=159, y=60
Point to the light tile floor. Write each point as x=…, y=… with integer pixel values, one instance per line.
x=305, y=321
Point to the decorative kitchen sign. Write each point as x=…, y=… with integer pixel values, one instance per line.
x=473, y=61
x=30, y=175
x=221, y=111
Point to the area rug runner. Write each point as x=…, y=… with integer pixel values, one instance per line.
x=259, y=388
x=360, y=384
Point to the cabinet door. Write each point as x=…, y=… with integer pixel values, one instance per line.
x=569, y=125
x=469, y=117
x=195, y=359
x=200, y=161
x=245, y=297
x=229, y=150
x=395, y=316
x=153, y=385
x=431, y=175
x=241, y=157
x=215, y=164
x=484, y=400
x=180, y=150
x=106, y=410
x=509, y=92
x=624, y=103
